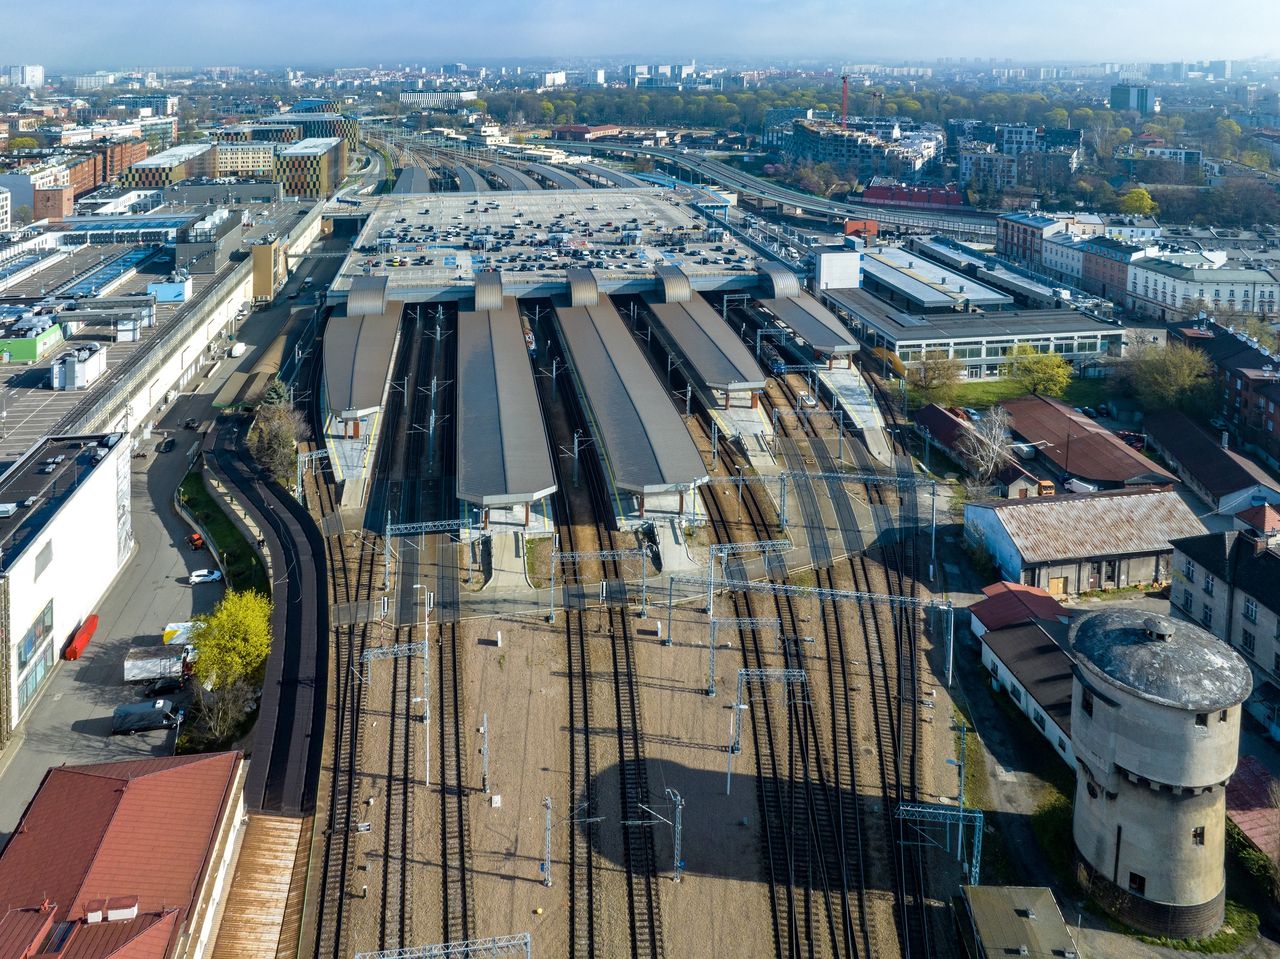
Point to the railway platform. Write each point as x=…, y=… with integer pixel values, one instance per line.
x=848, y=391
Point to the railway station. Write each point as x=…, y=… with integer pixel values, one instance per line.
x=358, y=354
x=715, y=361
x=504, y=458
x=792, y=309
x=645, y=448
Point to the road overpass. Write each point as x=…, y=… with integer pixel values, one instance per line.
x=977, y=226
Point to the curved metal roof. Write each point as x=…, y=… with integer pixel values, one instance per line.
x=616, y=177
x=645, y=444
x=514, y=179
x=565, y=181
x=718, y=357
x=488, y=290
x=779, y=280
x=1161, y=659
x=504, y=457
x=367, y=296
x=357, y=360
x=813, y=322
x=469, y=179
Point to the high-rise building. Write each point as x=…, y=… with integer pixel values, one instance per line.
x=4, y=209
x=1131, y=96
x=27, y=75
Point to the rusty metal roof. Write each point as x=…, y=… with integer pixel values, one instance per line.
x=1129, y=522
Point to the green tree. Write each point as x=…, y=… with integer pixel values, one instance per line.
x=233, y=641
x=1173, y=376
x=935, y=377
x=23, y=143
x=273, y=437
x=1138, y=202
x=1040, y=374
x=22, y=215
x=1057, y=118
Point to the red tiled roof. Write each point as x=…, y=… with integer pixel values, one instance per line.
x=1008, y=604
x=141, y=828
x=1251, y=807
x=23, y=930
x=1265, y=518
x=1078, y=445
x=146, y=937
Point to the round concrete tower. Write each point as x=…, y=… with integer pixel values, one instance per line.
x=1155, y=727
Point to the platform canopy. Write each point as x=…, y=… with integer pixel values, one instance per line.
x=814, y=323
x=504, y=458
x=358, y=351
x=715, y=354
x=644, y=442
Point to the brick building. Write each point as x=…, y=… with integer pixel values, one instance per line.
x=1248, y=384
x=1021, y=237
x=1105, y=266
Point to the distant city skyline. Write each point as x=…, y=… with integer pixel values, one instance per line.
x=116, y=35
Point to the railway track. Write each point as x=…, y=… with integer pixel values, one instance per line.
x=577, y=534
x=892, y=656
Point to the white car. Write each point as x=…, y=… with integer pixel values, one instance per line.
x=806, y=399
x=205, y=576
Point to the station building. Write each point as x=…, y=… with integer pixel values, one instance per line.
x=64, y=519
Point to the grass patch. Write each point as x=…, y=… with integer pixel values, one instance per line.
x=1239, y=927
x=981, y=394
x=243, y=568
x=537, y=561
x=804, y=577
x=1051, y=823
x=1123, y=592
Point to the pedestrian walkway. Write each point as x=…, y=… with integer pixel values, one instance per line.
x=253, y=918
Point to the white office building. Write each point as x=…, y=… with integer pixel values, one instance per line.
x=6, y=210
x=65, y=533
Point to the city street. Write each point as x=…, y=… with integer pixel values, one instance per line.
x=71, y=721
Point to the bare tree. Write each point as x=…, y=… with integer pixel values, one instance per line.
x=984, y=446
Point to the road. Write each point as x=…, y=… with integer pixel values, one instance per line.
x=71, y=721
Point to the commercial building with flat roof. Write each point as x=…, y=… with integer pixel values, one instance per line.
x=913, y=283
x=64, y=519
x=982, y=341
x=170, y=166
x=322, y=125
x=312, y=168
x=254, y=158
x=5, y=209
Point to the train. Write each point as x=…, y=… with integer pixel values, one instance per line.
x=771, y=358
x=530, y=340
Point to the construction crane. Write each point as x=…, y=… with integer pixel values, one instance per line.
x=844, y=101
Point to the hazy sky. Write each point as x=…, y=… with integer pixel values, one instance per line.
x=82, y=34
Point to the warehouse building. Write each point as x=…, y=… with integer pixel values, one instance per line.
x=64, y=518
x=312, y=168
x=1226, y=480
x=1080, y=543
